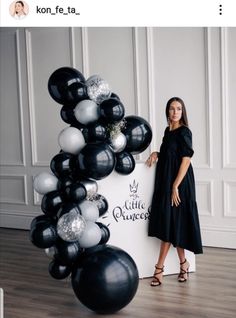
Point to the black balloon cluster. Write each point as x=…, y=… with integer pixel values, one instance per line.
x=98, y=140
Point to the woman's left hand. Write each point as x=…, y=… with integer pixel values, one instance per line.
x=175, y=199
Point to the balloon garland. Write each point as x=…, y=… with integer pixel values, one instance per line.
x=100, y=139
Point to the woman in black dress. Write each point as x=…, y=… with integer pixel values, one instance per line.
x=174, y=215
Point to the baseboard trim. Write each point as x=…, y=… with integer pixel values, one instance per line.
x=219, y=237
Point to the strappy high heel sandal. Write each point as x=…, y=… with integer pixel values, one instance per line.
x=183, y=274
x=156, y=280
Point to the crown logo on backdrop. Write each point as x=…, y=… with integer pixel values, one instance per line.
x=134, y=189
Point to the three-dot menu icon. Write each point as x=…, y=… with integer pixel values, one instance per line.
x=220, y=9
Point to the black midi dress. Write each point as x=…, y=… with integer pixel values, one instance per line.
x=177, y=225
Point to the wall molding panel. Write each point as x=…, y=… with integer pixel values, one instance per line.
x=224, y=95
x=136, y=69
x=208, y=100
x=85, y=52
x=207, y=194
x=72, y=47
x=151, y=86
x=8, y=186
x=229, y=198
x=11, y=162
x=37, y=198
x=208, y=68
x=20, y=99
x=34, y=154
x=225, y=99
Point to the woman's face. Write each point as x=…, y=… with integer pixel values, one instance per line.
x=175, y=112
x=18, y=7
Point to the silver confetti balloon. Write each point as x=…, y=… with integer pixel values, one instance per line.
x=71, y=226
x=118, y=142
x=98, y=89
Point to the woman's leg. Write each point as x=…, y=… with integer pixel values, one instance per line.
x=165, y=246
x=159, y=267
x=184, y=265
x=181, y=254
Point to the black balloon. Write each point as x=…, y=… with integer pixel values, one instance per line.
x=66, y=85
x=101, y=203
x=61, y=164
x=138, y=133
x=58, y=271
x=105, y=233
x=40, y=219
x=64, y=182
x=113, y=95
x=125, y=163
x=67, y=115
x=67, y=208
x=107, y=281
x=51, y=203
x=95, y=132
x=67, y=252
x=43, y=235
x=77, y=92
x=96, y=161
x=112, y=110
x=75, y=192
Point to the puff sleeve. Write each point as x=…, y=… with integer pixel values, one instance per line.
x=186, y=149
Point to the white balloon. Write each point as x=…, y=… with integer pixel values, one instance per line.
x=87, y=111
x=50, y=252
x=89, y=210
x=118, y=142
x=91, y=235
x=71, y=140
x=45, y=182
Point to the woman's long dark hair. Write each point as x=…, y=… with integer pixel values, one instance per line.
x=21, y=2
x=184, y=117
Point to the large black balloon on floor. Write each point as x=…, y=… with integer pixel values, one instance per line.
x=106, y=280
x=138, y=133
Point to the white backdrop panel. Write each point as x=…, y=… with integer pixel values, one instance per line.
x=129, y=199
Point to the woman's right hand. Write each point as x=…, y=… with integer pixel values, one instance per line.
x=152, y=159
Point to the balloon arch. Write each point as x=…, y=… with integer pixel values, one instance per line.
x=98, y=140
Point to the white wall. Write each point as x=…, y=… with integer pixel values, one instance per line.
x=145, y=67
